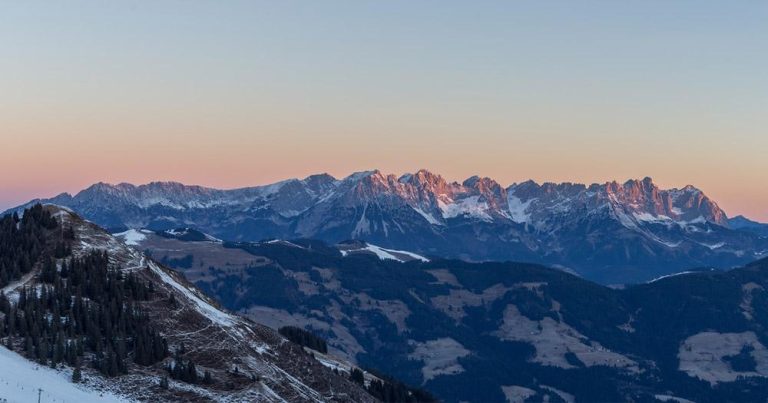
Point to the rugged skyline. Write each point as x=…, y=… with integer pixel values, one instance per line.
x=250, y=92
x=614, y=233
x=28, y=193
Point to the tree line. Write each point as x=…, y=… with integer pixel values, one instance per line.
x=304, y=338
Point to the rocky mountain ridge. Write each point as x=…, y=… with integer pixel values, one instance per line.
x=611, y=232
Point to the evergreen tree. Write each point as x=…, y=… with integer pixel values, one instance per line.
x=304, y=338
x=356, y=375
x=77, y=375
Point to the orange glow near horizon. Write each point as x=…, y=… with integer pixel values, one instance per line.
x=213, y=162
x=248, y=93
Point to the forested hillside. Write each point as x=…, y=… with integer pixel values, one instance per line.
x=77, y=300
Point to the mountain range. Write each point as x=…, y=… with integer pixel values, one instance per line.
x=611, y=233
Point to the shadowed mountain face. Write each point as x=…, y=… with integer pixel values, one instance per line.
x=611, y=233
x=490, y=332
x=745, y=224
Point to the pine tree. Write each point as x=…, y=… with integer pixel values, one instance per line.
x=77, y=375
x=356, y=375
x=58, y=351
x=207, y=379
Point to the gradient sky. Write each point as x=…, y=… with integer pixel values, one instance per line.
x=231, y=94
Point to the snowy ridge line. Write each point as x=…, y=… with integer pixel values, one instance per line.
x=231, y=324
x=214, y=314
x=682, y=273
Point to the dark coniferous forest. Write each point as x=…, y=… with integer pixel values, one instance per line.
x=22, y=242
x=304, y=338
x=83, y=311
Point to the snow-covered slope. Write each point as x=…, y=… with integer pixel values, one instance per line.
x=21, y=380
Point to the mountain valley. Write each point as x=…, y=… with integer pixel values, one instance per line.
x=496, y=331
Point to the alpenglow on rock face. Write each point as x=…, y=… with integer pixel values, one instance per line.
x=611, y=232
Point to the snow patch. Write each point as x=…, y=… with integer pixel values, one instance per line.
x=131, y=237
x=470, y=206
x=647, y=217
x=389, y=254
x=713, y=246
x=411, y=254
x=363, y=226
x=382, y=253
x=432, y=220
x=517, y=209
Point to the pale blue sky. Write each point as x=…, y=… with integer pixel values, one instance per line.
x=226, y=93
